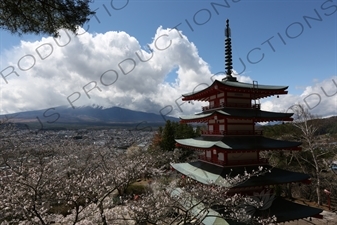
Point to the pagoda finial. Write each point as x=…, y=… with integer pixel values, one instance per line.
x=228, y=50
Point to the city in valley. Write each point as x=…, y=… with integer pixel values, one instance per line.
x=115, y=138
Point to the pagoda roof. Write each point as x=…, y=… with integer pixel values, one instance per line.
x=209, y=217
x=207, y=173
x=258, y=90
x=282, y=209
x=238, y=143
x=287, y=211
x=235, y=113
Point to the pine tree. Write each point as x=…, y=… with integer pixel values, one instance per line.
x=42, y=16
x=168, y=135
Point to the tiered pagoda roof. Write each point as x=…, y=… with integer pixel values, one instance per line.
x=228, y=84
x=237, y=143
x=236, y=113
x=231, y=144
x=283, y=210
x=207, y=173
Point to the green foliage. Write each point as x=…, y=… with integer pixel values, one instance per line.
x=328, y=126
x=302, y=161
x=281, y=130
x=43, y=16
x=184, y=131
x=175, y=130
x=318, y=137
x=324, y=126
x=168, y=135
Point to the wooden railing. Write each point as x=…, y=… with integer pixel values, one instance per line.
x=208, y=132
x=248, y=162
x=333, y=202
x=232, y=132
x=234, y=162
x=204, y=158
x=234, y=105
x=208, y=159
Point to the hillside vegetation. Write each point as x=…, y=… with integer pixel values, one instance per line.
x=326, y=126
x=318, y=151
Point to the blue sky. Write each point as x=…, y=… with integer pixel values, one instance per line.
x=294, y=42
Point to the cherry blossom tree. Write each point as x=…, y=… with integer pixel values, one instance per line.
x=65, y=178
x=69, y=182
x=315, y=152
x=193, y=203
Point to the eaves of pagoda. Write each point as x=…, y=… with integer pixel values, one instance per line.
x=217, y=87
x=233, y=113
x=284, y=210
x=238, y=143
x=212, y=174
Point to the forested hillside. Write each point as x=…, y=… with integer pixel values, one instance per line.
x=327, y=126
x=318, y=151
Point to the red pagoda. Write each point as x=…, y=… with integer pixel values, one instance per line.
x=231, y=144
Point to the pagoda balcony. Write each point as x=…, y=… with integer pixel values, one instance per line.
x=231, y=132
x=208, y=132
x=246, y=162
x=214, y=161
x=232, y=105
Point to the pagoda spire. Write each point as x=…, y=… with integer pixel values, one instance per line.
x=228, y=50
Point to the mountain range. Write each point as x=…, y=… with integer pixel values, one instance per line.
x=86, y=115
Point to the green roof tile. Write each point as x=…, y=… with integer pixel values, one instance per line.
x=238, y=84
x=251, y=85
x=212, y=174
x=240, y=113
x=238, y=143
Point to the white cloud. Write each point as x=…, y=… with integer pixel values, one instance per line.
x=320, y=99
x=102, y=69
x=111, y=68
